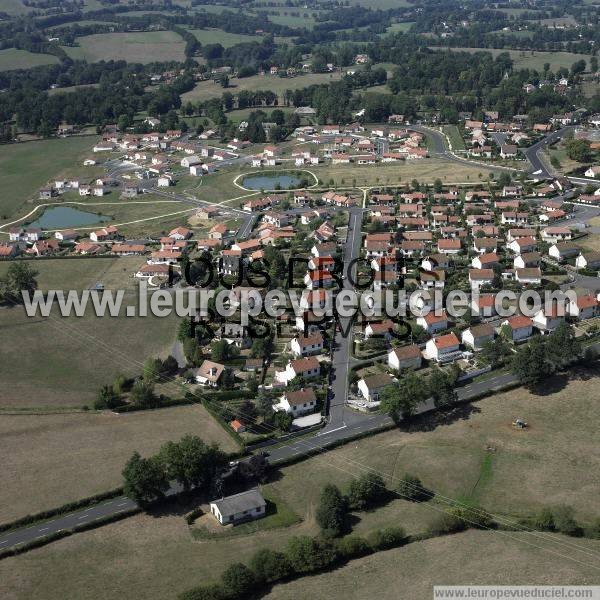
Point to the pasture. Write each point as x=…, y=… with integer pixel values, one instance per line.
x=12, y=59
x=134, y=47
x=51, y=459
x=226, y=39
x=41, y=160
x=530, y=59
x=473, y=557
x=551, y=462
x=206, y=90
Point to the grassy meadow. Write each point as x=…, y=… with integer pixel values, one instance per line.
x=551, y=462
x=136, y=47
x=12, y=59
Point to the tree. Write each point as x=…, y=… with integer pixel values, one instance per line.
x=219, y=351
x=529, y=363
x=366, y=491
x=255, y=468
x=562, y=347
x=145, y=479
x=401, y=399
x=20, y=277
x=283, y=420
x=191, y=462
x=142, y=394
x=185, y=330
x=441, y=388
x=438, y=186
x=107, y=398
x=494, y=351
x=261, y=348
x=579, y=150
x=270, y=566
x=332, y=511
x=307, y=554
x=152, y=370
x=238, y=580
x=411, y=488
x=504, y=179
x=169, y=365
x=246, y=412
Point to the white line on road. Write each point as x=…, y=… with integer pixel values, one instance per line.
x=83, y=517
x=332, y=430
x=122, y=504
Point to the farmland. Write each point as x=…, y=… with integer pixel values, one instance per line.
x=205, y=90
x=552, y=462
x=218, y=36
x=476, y=557
x=68, y=359
x=48, y=456
x=531, y=59
x=136, y=47
x=41, y=160
x=11, y=59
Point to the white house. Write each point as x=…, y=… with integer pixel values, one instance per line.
x=443, y=348
x=588, y=260
x=548, y=320
x=405, y=357
x=433, y=323
x=477, y=335
x=307, y=368
x=244, y=506
x=209, y=373
x=529, y=276
x=584, y=307
x=307, y=345
x=520, y=326
x=371, y=387
x=297, y=403
x=165, y=181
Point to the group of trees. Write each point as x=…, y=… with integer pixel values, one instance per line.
x=401, y=399
x=20, y=277
x=545, y=355
x=190, y=462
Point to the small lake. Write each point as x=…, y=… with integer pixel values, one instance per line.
x=271, y=182
x=63, y=217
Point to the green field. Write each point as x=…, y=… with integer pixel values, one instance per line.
x=134, y=47
x=205, y=90
x=552, y=462
x=218, y=36
x=399, y=27
x=473, y=558
x=26, y=167
x=11, y=59
x=457, y=141
x=48, y=456
x=13, y=7
x=530, y=59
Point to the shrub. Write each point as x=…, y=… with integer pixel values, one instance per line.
x=544, y=520
x=308, y=554
x=238, y=580
x=411, y=488
x=353, y=546
x=366, y=491
x=565, y=522
x=473, y=516
x=446, y=523
x=205, y=592
x=390, y=537
x=331, y=512
x=269, y=566
x=593, y=530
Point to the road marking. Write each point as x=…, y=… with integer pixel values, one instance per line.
x=122, y=504
x=332, y=430
x=82, y=517
x=44, y=529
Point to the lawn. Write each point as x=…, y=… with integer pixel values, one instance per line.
x=473, y=558
x=425, y=170
x=27, y=166
x=13, y=7
x=226, y=39
x=50, y=459
x=12, y=58
x=134, y=47
x=531, y=59
x=205, y=90
x=553, y=461
x=457, y=141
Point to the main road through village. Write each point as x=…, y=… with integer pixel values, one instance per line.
x=342, y=423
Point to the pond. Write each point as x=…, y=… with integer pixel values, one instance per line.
x=63, y=217
x=271, y=182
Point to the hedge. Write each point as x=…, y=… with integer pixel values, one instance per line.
x=169, y=403
x=60, y=510
x=236, y=436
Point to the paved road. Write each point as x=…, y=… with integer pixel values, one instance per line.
x=532, y=154
x=342, y=352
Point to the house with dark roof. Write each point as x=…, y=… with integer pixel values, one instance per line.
x=238, y=508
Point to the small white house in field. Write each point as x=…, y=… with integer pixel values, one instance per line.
x=477, y=336
x=405, y=357
x=165, y=181
x=244, y=506
x=297, y=403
